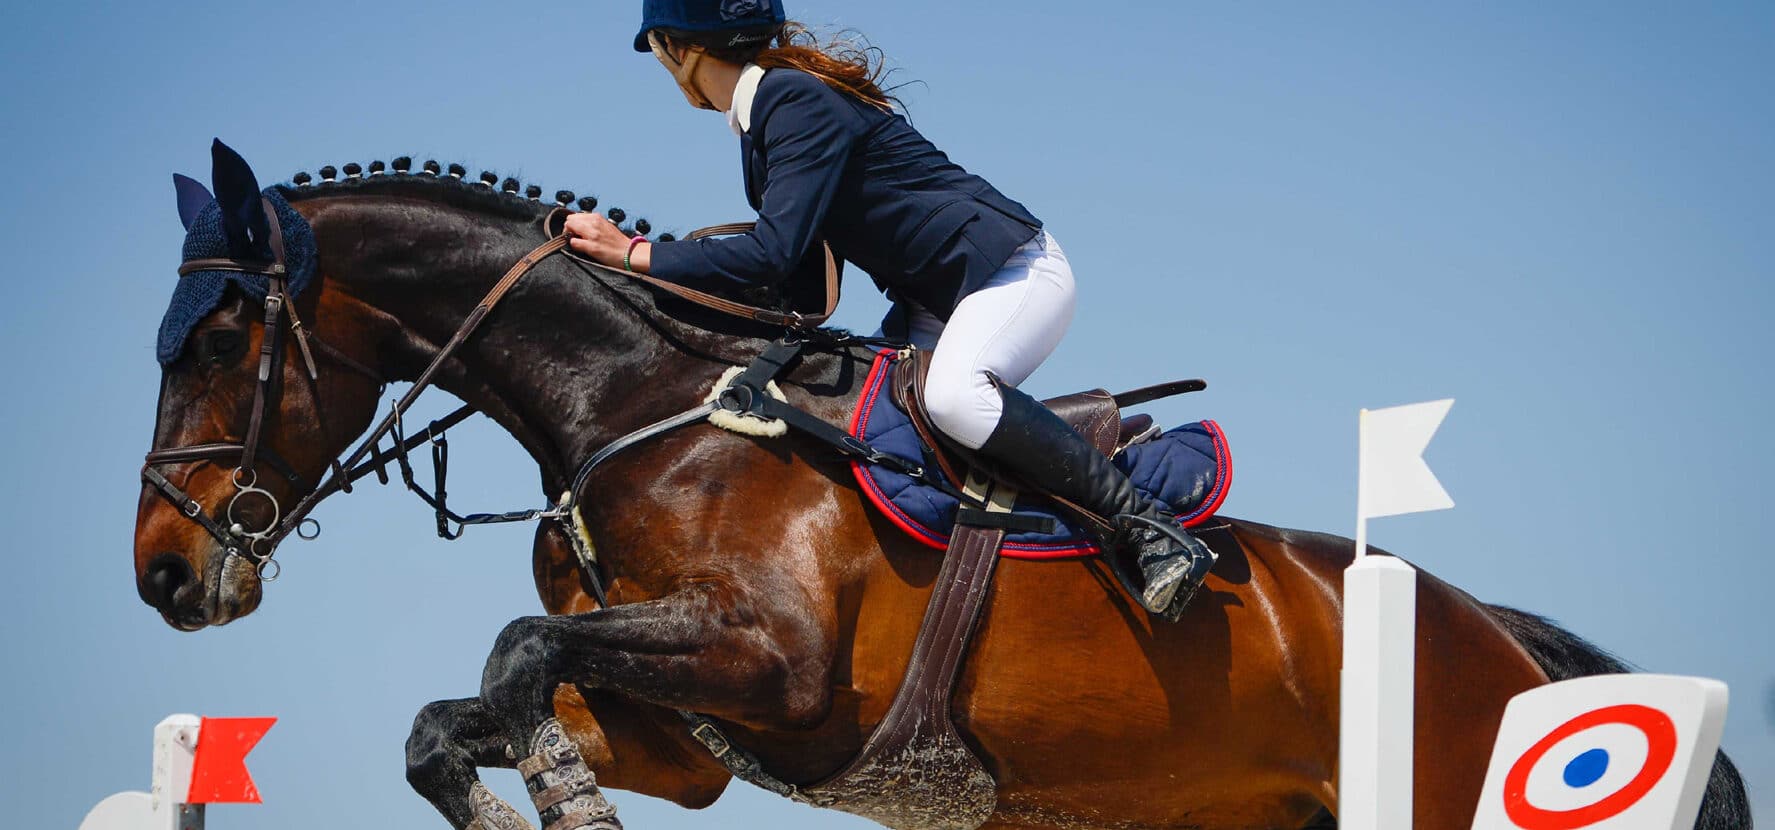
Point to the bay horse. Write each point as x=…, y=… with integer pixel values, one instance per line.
x=751, y=582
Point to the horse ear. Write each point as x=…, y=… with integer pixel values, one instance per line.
x=193, y=197
x=243, y=214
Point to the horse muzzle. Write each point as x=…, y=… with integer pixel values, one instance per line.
x=228, y=588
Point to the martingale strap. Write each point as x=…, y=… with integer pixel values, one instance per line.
x=369, y=458
x=336, y=482
x=745, y=394
x=354, y=465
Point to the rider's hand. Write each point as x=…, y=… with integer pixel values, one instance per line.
x=595, y=237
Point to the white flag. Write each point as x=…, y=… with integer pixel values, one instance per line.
x=1392, y=477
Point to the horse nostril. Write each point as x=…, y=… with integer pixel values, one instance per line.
x=166, y=574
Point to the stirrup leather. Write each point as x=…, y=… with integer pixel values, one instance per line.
x=561, y=786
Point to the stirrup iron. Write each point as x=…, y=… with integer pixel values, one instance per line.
x=1168, y=584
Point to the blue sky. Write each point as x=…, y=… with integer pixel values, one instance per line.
x=1558, y=216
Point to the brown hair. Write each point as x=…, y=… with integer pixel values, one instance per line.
x=846, y=62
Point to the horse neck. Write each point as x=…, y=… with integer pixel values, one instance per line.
x=563, y=363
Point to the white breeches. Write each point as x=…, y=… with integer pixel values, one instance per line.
x=1006, y=327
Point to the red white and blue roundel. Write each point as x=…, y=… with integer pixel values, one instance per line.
x=1593, y=767
x=1619, y=751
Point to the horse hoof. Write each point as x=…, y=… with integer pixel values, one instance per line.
x=491, y=812
x=561, y=786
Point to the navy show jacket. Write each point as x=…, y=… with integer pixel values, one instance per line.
x=823, y=164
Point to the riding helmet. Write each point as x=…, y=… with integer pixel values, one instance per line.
x=750, y=21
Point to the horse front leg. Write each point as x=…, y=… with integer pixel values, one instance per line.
x=708, y=647
x=450, y=739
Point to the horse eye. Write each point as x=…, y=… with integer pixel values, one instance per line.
x=223, y=345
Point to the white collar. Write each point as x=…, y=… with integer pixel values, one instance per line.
x=740, y=117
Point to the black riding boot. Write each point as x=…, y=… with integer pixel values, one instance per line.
x=1032, y=442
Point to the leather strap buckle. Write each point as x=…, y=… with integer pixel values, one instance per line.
x=737, y=399
x=711, y=738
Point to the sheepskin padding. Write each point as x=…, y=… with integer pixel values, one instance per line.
x=744, y=423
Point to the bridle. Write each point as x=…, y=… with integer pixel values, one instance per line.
x=259, y=545
x=256, y=545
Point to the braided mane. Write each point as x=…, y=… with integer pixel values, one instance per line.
x=508, y=198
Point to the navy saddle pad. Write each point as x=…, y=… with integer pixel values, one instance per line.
x=1186, y=470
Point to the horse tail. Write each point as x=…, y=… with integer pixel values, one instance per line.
x=1564, y=655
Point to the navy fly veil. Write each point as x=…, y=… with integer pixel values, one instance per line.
x=199, y=292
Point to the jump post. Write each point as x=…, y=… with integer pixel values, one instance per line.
x=197, y=761
x=1623, y=751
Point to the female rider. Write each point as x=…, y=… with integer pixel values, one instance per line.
x=973, y=275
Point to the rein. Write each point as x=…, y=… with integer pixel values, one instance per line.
x=791, y=319
x=258, y=546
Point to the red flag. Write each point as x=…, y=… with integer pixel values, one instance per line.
x=219, y=767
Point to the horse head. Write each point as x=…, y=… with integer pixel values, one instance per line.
x=252, y=404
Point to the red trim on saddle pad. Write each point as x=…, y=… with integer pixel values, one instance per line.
x=1223, y=479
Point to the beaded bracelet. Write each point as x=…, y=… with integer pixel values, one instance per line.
x=631, y=252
